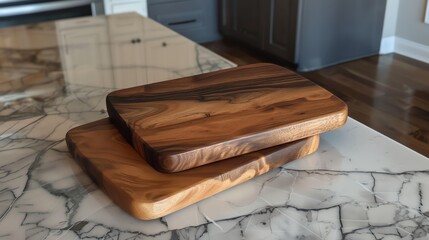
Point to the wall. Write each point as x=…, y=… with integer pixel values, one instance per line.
x=405, y=31
x=389, y=27
x=390, y=18
x=410, y=23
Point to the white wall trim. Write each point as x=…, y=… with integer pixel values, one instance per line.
x=405, y=47
x=387, y=45
x=427, y=12
x=412, y=49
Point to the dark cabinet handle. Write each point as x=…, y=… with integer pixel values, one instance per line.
x=182, y=22
x=136, y=40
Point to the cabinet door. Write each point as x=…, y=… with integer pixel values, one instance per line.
x=85, y=55
x=139, y=6
x=226, y=13
x=280, y=28
x=169, y=58
x=128, y=60
x=248, y=24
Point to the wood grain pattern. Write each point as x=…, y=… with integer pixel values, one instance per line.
x=146, y=193
x=193, y=121
x=394, y=99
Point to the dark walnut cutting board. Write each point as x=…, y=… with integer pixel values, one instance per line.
x=148, y=194
x=193, y=121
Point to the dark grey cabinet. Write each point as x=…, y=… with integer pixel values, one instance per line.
x=194, y=19
x=310, y=33
x=280, y=28
x=265, y=24
x=247, y=22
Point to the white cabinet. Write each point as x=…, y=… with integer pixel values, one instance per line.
x=128, y=61
x=123, y=6
x=85, y=53
x=117, y=52
x=167, y=58
x=108, y=51
x=128, y=52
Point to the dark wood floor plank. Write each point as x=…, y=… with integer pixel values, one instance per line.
x=389, y=93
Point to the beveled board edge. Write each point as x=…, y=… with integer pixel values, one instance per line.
x=256, y=164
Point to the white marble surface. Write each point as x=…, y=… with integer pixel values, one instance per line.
x=358, y=185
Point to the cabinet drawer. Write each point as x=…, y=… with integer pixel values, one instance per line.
x=183, y=20
x=195, y=19
x=152, y=2
x=124, y=6
x=121, y=7
x=179, y=14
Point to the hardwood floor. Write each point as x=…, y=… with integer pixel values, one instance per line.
x=241, y=54
x=389, y=93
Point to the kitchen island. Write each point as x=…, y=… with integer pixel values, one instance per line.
x=55, y=76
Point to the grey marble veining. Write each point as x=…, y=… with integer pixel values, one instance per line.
x=358, y=185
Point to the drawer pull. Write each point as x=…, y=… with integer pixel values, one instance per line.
x=136, y=40
x=182, y=22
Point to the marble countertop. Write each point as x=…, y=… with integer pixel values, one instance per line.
x=55, y=76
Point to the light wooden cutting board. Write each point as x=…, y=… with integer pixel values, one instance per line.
x=146, y=193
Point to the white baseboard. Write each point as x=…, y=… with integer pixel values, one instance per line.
x=412, y=49
x=405, y=47
x=387, y=45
